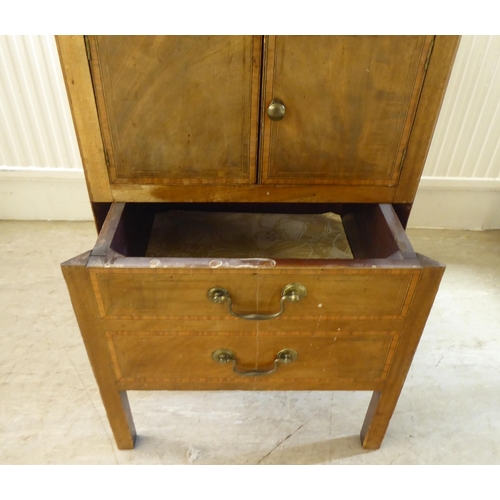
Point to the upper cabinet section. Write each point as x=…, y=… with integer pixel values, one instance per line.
x=178, y=109
x=349, y=106
x=255, y=118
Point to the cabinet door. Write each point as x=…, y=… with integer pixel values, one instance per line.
x=349, y=104
x=178, y=109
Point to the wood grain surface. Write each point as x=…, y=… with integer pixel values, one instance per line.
x=163, y=357
x=383, y=403
x=431, y=98
x=350, y=103
x=77, y=78
x=115, y=401
x=331, y=294
x=358, y=179
x=178, y=109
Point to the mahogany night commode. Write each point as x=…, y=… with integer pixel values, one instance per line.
x=251, y=195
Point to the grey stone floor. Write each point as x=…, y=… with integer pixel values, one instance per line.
x=51, y=413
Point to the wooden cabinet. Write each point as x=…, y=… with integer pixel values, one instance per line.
x=170, y=125
x=175, y=118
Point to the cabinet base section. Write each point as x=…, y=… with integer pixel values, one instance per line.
x=130, y=313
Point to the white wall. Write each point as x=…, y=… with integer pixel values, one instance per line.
x=41, y=175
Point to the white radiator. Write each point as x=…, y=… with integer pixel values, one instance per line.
x=36, y=128
x=460, y=186
x=466, y=143
x=41, y=175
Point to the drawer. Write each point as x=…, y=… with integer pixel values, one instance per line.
x=164, y=316
x=331, y=293
x=189, y=359
x=376, y=283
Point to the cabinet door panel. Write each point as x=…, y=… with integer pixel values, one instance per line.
x=350, y=103
x=178, y=109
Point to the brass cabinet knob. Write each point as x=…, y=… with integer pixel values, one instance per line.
x=276, y=110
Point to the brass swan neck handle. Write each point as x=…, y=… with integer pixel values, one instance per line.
x=293, y=292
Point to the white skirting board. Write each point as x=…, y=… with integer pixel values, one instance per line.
x=43, y=194
x=457, y=203
x=57, y=194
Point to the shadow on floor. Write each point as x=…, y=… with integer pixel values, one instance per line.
x=315, y=453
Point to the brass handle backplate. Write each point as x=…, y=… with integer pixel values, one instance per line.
x=276, y=110
x=292, y=292
x=223, y=356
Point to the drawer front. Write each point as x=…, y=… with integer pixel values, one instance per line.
x=155, y=360
x=331, y=293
